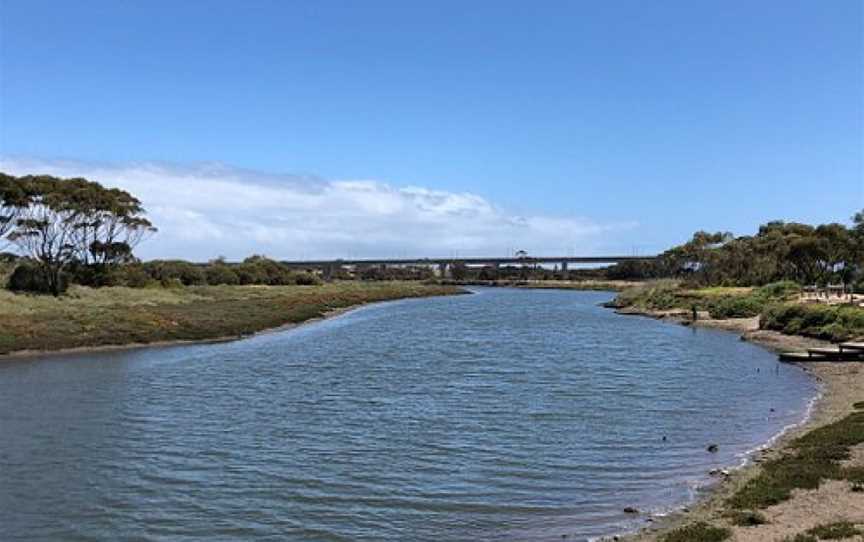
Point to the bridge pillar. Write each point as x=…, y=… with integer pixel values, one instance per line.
x=563, y=267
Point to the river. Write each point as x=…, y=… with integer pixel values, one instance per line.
x=505, y=415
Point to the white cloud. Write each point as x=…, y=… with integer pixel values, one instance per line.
x=207, y=210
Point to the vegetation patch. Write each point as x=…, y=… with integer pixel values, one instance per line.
x=834, y=531
x=829, y=322
x=87, y=317
x=720, y=302
x=697, y=532
x=745, y=518
x=811, y=458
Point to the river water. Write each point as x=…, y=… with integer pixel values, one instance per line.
x=504, y=415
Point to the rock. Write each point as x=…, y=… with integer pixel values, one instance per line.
x=631, y=510
x=713, y=448
x=714, y=472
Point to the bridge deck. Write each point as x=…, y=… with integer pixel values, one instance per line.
x=469, y=261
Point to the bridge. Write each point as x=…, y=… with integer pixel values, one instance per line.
x=329, y=267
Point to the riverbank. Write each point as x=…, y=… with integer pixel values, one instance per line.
x=778, y=496
x=117, y=317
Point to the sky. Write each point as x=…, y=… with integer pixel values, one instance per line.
x=307, y=129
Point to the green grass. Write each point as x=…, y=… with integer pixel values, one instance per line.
x=116, y=316
x=811, y=458
x=697, y=532
x=720, y=302
x=834, y=531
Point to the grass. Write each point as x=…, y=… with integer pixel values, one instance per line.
x=811, y=458
x=116, y=316
x=720, y=302
x=834, y=531
x=697, y=532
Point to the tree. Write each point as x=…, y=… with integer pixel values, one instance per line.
x=13, y=200
x=69, y=221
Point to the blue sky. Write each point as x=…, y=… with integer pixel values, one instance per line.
x=557, y=126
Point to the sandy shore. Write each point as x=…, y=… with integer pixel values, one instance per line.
x=842, y=385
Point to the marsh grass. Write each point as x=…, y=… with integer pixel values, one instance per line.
x=697, y=532
x=115, y=316
x=812, y=458
x=834, y=531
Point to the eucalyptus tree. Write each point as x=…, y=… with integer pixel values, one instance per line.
x=70, y=221
x=13, y=200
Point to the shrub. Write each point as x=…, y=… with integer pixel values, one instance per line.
x=780, y=290
x=261, y=270
x=248, y=273
x=735, y=307
x=697, y=532
x=217, y=274
x=97, y=276
x=306, y=279
x=186, y=273
x=745, y=518
x=30, y=277
x=830, y=322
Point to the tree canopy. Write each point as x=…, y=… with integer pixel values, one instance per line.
x=58, y=222
x=827, y=253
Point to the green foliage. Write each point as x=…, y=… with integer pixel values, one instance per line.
x=697, y=532
x=307, y=279
x=736, y=307
x=655, y=295
x=779, y=251
x=31, y=277
x=814, y=457
x=752, y=303
x=834, y=531
x=405, y=273
x=58, y=223
x=781, y=290
x=115, y=316
x=219, y=273
x=829, y=322
x=98, y=276
x=167, y=272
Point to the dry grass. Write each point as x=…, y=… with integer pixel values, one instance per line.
x=116, y=316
